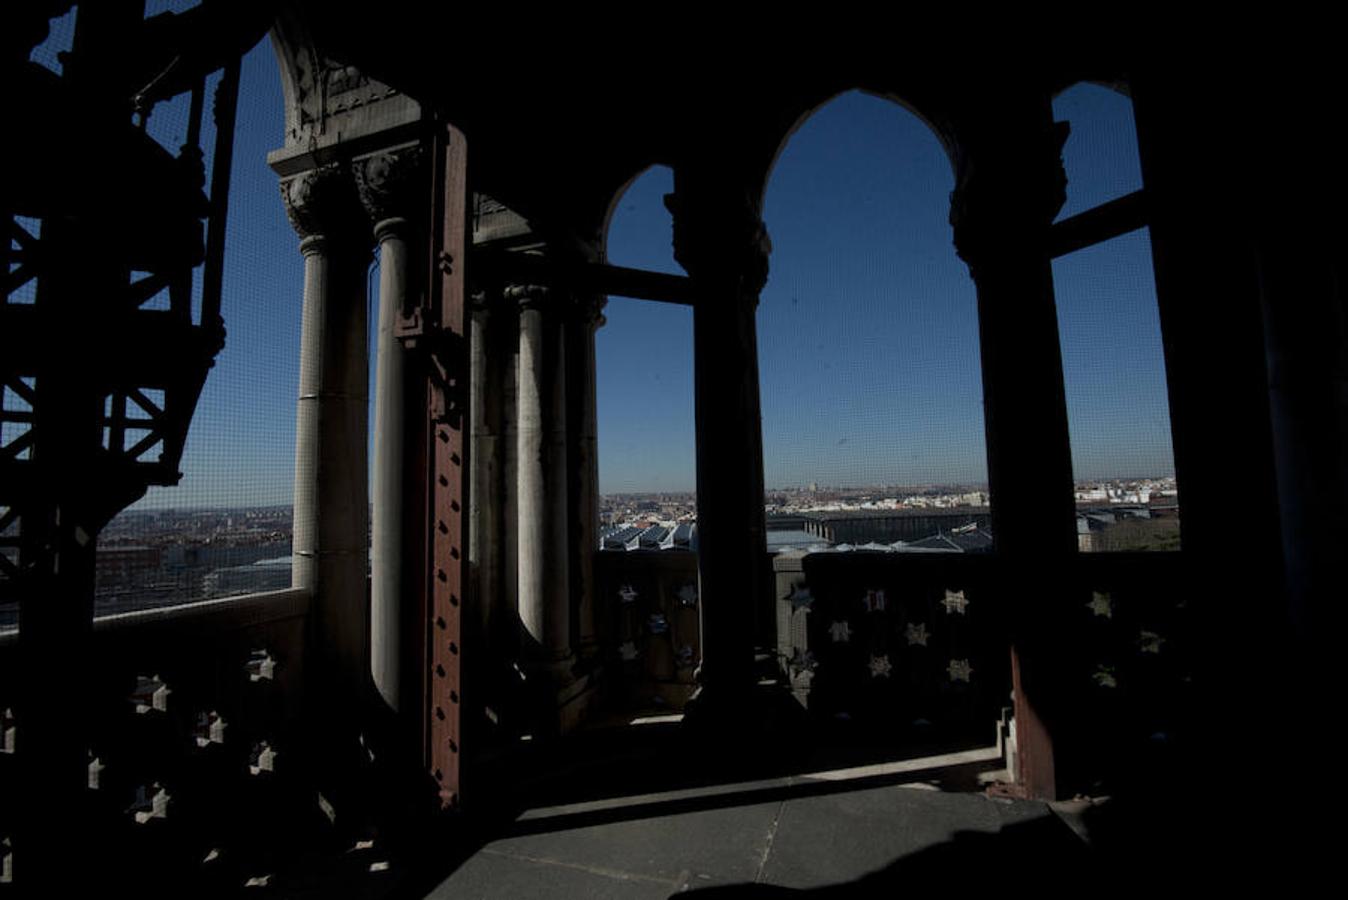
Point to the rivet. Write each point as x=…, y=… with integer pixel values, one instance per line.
x=440, y=714
x=453, y=648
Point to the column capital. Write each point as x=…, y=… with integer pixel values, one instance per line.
x=1007, y=192
x=718, y=233
x=391, y=186
x=589, y=309
x=528, y=296
x=321, y=202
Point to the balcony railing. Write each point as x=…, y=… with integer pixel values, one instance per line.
x=194, y=739
x=917, y=647
x=196, y=722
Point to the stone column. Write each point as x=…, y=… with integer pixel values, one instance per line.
x=583, y=453
x=388, y=183
x=486, y=498
x=543, y=581
x=1009, y=186
x=331, y=506
x=1306, y=335
x=720, y=240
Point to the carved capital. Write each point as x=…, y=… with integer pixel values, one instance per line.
x=1006, y=196
x=391, y=183
x=528, y=296
x=719, y=235
x=589, y=309
x=320, y=202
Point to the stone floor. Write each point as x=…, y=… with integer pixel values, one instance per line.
x=825, y=838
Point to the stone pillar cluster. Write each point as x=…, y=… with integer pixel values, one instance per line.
x=535, y=486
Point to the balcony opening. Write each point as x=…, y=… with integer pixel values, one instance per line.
x=1109, y=326
x=868, y=342
x=224, y=530
x=646, y=577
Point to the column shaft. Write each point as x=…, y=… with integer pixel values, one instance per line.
x=331, y=505
x=544, y=595
x=731, y=532
x=387, y=579
x=583, y=456
x=486, y=494
x=720, y=240
x=1010, y=186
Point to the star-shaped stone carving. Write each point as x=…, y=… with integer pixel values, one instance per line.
x=955, y=603
x=960, y=670
x=151, y=805
x=684, y=659
x=1150, y=642
x=8, y=731
x=151, y=694
x=1101, y=604
x=688, y=595
x=210, y=729
x=874, y=601
x=916, y=633
x=628, y=651
x=627, y=593
x=841, y=632
x=657, y=623
x=880, y=666
x=263, y=759
x=1104, y=677
x=801, y=598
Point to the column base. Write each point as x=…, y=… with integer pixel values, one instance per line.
x=747, y=711
x=560, y=698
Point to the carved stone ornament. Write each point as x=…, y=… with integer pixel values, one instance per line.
x=1003, y=194
x=390, y=183
x=528, y=296
x=720, y=235
x=320, y=202
x=589, y=308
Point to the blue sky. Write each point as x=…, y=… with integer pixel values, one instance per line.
x=868, y=330
x=868, y=334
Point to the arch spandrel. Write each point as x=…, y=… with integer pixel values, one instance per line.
x=329, y=103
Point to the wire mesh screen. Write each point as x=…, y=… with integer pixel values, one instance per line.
x=1110, y=331
x=868, y=329
x=225, y=528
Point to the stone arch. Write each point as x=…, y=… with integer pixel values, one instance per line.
x=300, y=65
x=611, y=208
x=943, y=132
